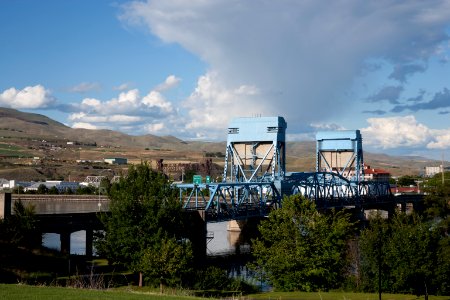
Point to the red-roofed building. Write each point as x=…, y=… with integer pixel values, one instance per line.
x=405, y=190
x=371, y=174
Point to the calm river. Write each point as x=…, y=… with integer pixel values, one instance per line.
x=222, y=242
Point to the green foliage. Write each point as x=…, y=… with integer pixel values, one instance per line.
x=215, y=281
x=406, y=180
x=86, y=190
x=406, y=250
x=20, y=228
x=437, y=199
x=145, y=225
x=42, y=189
x=167, y=262
x=53, y=190
x=301, y=249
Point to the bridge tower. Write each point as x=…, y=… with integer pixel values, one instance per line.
x=256, y=150
x=340, y=152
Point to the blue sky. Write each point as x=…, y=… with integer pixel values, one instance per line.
x=185, y=68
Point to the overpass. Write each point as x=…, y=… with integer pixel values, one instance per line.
x=62, y=214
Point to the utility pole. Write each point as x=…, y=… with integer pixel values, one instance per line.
x=442, y=170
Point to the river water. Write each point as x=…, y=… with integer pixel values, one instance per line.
x=222, y=242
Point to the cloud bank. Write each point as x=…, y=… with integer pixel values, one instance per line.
x=395, y=132
x=301, y=56
x=30, y=97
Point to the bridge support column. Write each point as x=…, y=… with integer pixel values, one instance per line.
x=5, y=205
x=197, y=234
x=89, y=242
x=64, y=237
x=403, y=207
x=236, y=225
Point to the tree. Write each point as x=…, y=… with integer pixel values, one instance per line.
x=301, y=249
x=437, y=199
x=146, y=222
x=406, y=180
x=166, y=262
x=53, y=190
x=21, y=228
x=42, y=189
x=405, y=249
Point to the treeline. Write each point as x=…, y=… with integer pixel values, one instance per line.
x=299, y=248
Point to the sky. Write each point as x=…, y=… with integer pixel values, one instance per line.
x=186, y=68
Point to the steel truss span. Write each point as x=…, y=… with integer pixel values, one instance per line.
x=255, y=178
x=226, y=201
x=330, y=190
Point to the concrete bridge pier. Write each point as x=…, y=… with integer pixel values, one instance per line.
x=64, y=237
x=5, y=205
x=89, y=242
x=197, y=234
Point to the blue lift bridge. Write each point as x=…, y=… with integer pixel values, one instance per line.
x=255, y=180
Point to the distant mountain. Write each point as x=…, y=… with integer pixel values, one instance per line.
x=29, y=125
x=300, y=155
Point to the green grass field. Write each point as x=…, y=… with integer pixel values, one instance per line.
x=12, y=151
x=338, y=296
x=24, y=292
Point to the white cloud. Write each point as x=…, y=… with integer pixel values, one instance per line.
x=396, y=132
x=130, y=112
x=86, y=118
x=155, y=99
x=300, y=56
x=31, y=97
x=84, y=125
x=442, y=140
x=211, y=106
x=154, y=128
x=170, y=82
x=326, y=126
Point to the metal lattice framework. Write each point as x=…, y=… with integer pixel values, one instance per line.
x=330, y=189
x=340, y=152
x=255, y=150
x=230, y=200
x=255, y=180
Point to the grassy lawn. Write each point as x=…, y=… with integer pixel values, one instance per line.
x=338, y=295
x=24, y=292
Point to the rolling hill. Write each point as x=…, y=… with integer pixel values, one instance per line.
x=26, y=132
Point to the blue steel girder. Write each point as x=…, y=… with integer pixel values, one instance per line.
x=329, y=189
x=230, y=200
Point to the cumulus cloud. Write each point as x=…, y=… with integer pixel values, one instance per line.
x=84, y=125
x=395, y=132
x=85, y=87
x=30, y=97
x=211, y=104
x=129, y=111
x=170, y=82
x=301, y=56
